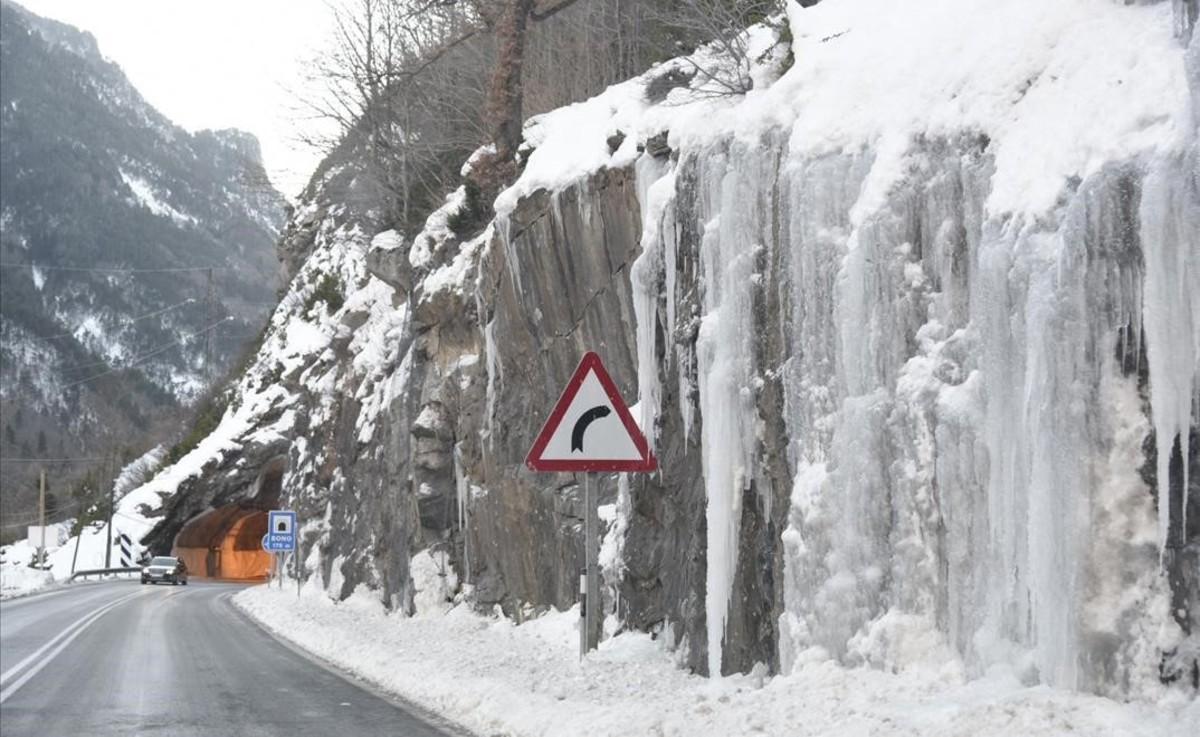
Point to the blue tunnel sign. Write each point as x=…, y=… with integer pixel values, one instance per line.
x=281, y=531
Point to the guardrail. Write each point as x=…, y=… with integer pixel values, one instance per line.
x=103, y=572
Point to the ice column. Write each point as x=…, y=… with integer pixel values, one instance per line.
x=1170, y=225
x=733, y=191
x=656, y=193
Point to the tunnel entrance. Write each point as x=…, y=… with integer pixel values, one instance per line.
x=226, y=542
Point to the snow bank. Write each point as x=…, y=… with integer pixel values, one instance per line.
x=497, y=678
x=67, y=553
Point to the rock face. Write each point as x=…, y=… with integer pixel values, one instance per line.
x=895, y=424
x=553, y=284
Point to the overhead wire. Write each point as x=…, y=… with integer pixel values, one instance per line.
x=128, y=321
x=112, y=270
x=107, y=362
x=147, y=356
x=49, y=460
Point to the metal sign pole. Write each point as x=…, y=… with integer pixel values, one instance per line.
x=592, y=600
x=585, y=579
x=583, y=587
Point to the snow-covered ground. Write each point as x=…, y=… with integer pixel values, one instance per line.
x=67, y=553
x=497, y=678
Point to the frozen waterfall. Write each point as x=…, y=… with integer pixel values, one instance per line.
x=962, y=398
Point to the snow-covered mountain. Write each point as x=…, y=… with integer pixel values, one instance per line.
x=913, y=328
x=110, y=218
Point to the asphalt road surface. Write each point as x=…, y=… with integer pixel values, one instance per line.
x=125, y=659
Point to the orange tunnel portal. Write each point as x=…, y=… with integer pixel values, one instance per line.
x=225, y=543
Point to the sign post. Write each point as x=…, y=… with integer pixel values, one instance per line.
x=280, y=538
x=589, y=431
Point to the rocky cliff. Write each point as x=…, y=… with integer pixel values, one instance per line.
x=919, y=364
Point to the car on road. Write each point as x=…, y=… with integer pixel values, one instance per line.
x=165, y=569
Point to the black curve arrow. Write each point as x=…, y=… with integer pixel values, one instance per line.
x=581, y=425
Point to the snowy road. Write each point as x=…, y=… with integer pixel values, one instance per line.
x=124, y=659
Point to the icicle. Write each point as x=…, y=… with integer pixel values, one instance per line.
x=494, y=370
x=1171, y=312
x=726, y=370
x=504, y=230
x=462, y=490
x=656, y=193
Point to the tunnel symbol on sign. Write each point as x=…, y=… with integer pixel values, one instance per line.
x=282, y=522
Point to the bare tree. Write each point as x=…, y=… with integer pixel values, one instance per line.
x=722, y=24
x=397, y=80
x=415, y=85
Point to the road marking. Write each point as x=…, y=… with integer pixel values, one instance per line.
x=72, y=631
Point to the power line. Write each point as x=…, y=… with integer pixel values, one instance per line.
x=146, y=356
x=48, y=460
x=155, y=313
x=153, y=351
x=139, y=318
x=112, y=270
x=208, y=339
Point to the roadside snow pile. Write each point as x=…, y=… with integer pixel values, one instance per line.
x=494, y=677
x=67, y=553
x=16, y=577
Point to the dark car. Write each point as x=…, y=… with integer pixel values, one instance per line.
x=165, y=569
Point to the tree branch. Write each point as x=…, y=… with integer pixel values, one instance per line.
x=541, y=15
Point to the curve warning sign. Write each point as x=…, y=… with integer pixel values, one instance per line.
x=590, y=428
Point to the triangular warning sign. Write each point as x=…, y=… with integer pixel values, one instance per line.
x=590, y=428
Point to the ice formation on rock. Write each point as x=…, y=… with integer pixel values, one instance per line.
x=900, y=354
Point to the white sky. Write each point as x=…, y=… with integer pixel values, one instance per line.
x=215, y=64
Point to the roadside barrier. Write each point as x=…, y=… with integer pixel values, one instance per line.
x=104, y=572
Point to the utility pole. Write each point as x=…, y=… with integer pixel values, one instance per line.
x=112, y=487
x=42, y=515
x=208, y=333
x=78, y=539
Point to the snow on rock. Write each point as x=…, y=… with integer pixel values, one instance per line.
x=1025, y=73
x=145, y=194
x=434, y=582
x=437, y=230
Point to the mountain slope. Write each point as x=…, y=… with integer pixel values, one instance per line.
x=131, y=250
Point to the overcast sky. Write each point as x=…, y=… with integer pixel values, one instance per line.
x=214, y=64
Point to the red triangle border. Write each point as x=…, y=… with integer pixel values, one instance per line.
x=535, y=462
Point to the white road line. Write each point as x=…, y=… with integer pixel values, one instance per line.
x=70, y=633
